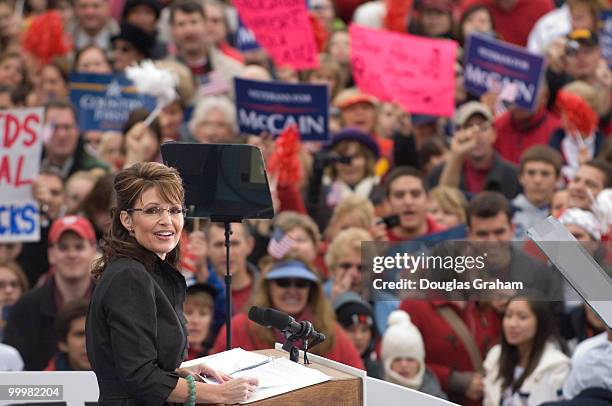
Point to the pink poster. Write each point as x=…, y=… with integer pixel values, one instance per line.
x=283, y=28
x=415, y=72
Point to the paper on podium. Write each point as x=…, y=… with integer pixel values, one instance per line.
x=230, y=362
x=276, y=375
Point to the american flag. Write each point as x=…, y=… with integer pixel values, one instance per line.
x=279, y=244
x=214, y=84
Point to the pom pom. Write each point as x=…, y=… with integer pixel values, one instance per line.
x=398, y=317
x=45, y=37
x=285, y=160
x=154, y=81
x=578, y=112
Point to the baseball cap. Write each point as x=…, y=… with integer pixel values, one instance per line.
x=584, y=37
x=352, y=96
x=291, y=269
x=77, y=224
x=467, y=110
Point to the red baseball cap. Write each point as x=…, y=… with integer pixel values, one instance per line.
x=77, y=224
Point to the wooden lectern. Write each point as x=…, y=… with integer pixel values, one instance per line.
x=342, y=390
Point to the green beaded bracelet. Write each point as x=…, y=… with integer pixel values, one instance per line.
x=192, y=390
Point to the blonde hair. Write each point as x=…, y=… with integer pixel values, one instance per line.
x=450, y=200
x=346, y=241
x=288, y=220
x=359, y=208
x=585, y=91
x=324, y=317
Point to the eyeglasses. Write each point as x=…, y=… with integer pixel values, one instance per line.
x=12, y=284
x=296, y=283
x=349, y=265
x=158, y=211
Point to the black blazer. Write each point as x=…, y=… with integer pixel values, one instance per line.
x=136, y=332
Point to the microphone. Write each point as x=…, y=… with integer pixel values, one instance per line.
x=283, y=322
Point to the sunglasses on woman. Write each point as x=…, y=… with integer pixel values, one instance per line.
x=296, y=283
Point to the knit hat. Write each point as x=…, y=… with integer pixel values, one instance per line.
x=353, y=134
x=137, y=37
x=402, y=340
x=130, y=4
x=351, y=309
x=584, y=219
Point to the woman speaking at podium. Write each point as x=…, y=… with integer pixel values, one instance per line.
x=136, y=335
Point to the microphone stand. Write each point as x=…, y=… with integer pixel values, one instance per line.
x=291, y=348
x=228, y=287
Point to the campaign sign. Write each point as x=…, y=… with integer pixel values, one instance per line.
x=605, y=36
x=491, y=64
x=104, y=102
x=273, y=106
x=20, y=152
x=245, y=39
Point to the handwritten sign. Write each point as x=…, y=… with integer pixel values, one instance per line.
x=491, y=64
x=20, y=152
x=104, y=102
x=283, y=29
x=416, y=72
x=273, y=106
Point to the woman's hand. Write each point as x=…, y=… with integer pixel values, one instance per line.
x=238, y=389
x=202, y=370
x=133, y=144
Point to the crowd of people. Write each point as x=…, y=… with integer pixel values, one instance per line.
x=488, y=173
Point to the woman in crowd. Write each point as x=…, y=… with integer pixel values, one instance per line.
x=91, y=59
x=214, y=121
x=136, y=329
x=292, y=286
x=352, y=173
x=527, y=367
x=141, y=142
x=13, y=284
x=403, y=356
x=476, y=19
x=199, y=311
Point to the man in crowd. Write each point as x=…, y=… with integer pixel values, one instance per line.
x=244, y=274
x=94, y=24
x=31, y=325
x=65, y=150
x=473, y=165
x=590, y=179
x=539, y=172
x=407, y=197
x=188, y=26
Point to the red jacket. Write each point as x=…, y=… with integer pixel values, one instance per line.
x=343, y=350
x=444, y=351
x=511, y=140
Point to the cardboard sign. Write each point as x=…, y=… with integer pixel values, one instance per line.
x=605, y=35
x=283, y=28
x=20, y=152
x=273, y=106
x=491, y=64
x=104, y=102
x=416, y=72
